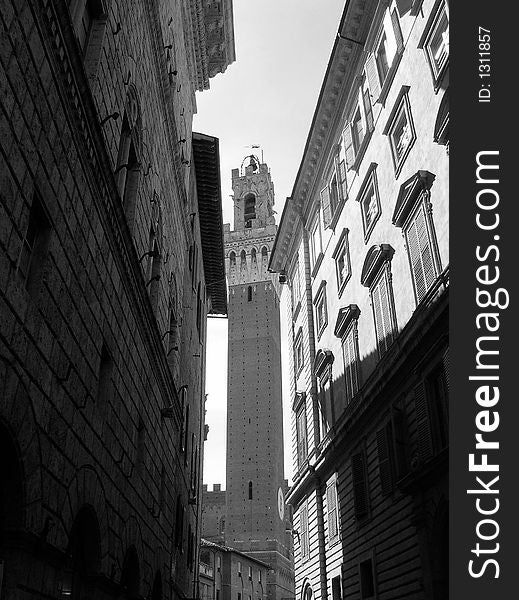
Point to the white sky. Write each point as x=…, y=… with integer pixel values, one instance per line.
x=266, y=97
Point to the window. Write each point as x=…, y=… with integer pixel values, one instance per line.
x=249, y=211
x=400, y=130
x=232, y=260
x=335, y=192
x=431, y=398
x=376, y=274
x=298, y=353
x=128, y=166
x=360, y=485
x=367, y=579
x=332, y=513
x=89, y=22
x=359, y=127
x=336, y=588
x=239, y=568
x=250, y=573
x=369, y=201
x=249, y=293
x=341, y=255
x=154, y=279
x=346, y=329
x=316, y=248
x=301, y=433
x=295, y=284
x=259, y=575
x=321, y=311
x=323, y=369
x=413, y=212
x=435, y=43
x=303, y=526
x=104, y=385
x=383, y=60
x=179, y=524
x=392, y=453
x=35, y=247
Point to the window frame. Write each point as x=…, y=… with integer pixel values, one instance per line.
x=301, y=434
x=440, y=10
x=401, y=108
x=315, y=256
x=370, y=183
x=354, y=145
x=304, y=532
x=320, y=301
x=342, y=249
x=298, y=343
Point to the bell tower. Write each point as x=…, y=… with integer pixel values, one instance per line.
x=256, y=519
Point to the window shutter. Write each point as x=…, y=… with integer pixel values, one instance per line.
x=343, y=183
x=423, y=423
x=372, y=78
x=399, y=442
x=350, y=365
x=325, y=203
x=384, y=460
x=397, y=31
x=420, y=254
x=360, y=492
x=331, y=502
x=390, y=38
x=368, y=111
x=377, y=311
x=382, y=312
x=446, y=369
x=304, y=531
x=348, y=146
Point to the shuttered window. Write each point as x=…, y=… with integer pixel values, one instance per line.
x=383, y=59
x=343, y=184
x=301, y=433
x=326, y=205
x=351, y=362
x=382, y=303
x=360, y=485
x=303, y=517
x=423, y=422
x=332, y=513
x=421, y=254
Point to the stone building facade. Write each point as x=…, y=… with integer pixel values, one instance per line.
x=363, y=247
x=256, y=519
x=111, y=258
x=227, y=574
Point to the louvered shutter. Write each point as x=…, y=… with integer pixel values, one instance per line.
x=377, y=312
x=368, y=111
x=331, y=502
x=384, y=460
x=325, y=203
x=420, y=254
x=304, y=531
x=343, y=183
x=372, y=77
x=391, y=42
x=423, y=422
x=350, y=365
x=446, y=369
x=397, y=31
x=348, y=146
x=360, y=492
x=399, y=442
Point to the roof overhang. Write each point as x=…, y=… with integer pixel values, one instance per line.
x=207, y=173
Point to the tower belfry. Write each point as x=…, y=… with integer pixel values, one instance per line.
x=256, y=519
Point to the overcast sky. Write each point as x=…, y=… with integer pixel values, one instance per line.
x=266, y=97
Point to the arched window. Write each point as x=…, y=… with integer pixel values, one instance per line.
x=264, y=254
x=131, y=575
x=243, y=259
x=253, y=255
x=128, y=157
x=232, y=259
x=249, y=211
x=84, y=550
